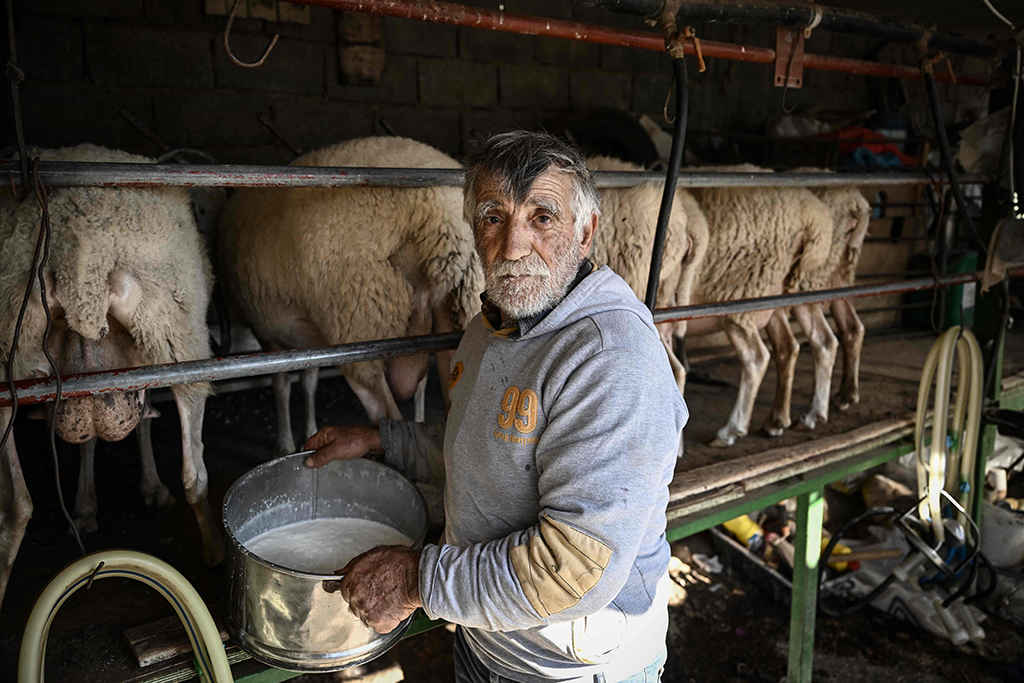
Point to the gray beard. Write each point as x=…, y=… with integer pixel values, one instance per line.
x=535, y=287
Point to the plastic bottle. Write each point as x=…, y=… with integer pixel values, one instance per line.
x=748, y=532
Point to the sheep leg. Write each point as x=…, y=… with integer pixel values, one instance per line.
x=310, y=377
x=374, y=393
x=784, y=350
x=153, y=491
x=824, y=348
x=282, y=397
x=193, y=471
x=85, y=499
x=421, y=400
x=665, y=331
x=851, y=341
x=15, y=504
x=754, y=358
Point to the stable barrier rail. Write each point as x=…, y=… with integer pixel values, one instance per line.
x=43, y=389
x=95, y=174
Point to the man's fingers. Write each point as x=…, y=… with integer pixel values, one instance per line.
x=323, y=456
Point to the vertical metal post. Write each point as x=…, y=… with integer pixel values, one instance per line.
x=810, y=509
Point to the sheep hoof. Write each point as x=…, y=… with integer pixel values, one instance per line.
x=724, y=439
x=213, y=553
x=812, y=420
x=285, y=448
x=773, y=429
x=85, y=525
x=846, y=400
x=159, y=497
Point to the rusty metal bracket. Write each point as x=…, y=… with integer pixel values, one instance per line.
x=789, y=57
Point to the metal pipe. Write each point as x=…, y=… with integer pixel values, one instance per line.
x=155, y=376
x=459, y=15
x=668, y=193
x=802, y=14
x=784, y=300
x=92, y=174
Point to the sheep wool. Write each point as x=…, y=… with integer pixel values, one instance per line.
x=316, y=266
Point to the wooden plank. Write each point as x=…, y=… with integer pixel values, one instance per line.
x=164, y=639
x=810, y=508
x=704, y=479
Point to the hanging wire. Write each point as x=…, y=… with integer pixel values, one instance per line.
x=996, y=12
x=44, y=231
x=227, y=42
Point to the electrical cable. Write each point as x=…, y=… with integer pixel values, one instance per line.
x=669, y=193
x=996, y=12
x=44, y=231
x=993, y=580
x=864, y=600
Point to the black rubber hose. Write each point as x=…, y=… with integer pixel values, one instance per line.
x=993, y=580
x=668, y=195
x=864, y=600
x=947, y=160
x=964, y=586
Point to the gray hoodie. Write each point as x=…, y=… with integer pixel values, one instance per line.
x=558, y=451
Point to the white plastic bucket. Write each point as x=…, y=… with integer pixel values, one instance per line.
x=1002, y=536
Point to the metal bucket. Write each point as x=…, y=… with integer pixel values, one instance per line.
x=284, y=617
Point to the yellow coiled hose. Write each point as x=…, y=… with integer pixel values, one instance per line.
x=129, y=564
x=940, y=470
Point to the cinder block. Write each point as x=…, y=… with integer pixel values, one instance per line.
x=650, y=91
x=57, y=116
x=113, y=9
x=478, y=126
x=49, y=50
x=494, y=46
x=311, y=123
x=408, y=36
x=600, y=88
x=560, y=52
x=212, y=119
x=632, y=59
x=397, y=83
x=453, y=83
x=133, y=56
x=359, y=27
x=435, y=127
x=320, y=27
x=293, y=66
x=534, y=86
x=174, y=12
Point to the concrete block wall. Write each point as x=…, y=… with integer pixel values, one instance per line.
x=164, y=61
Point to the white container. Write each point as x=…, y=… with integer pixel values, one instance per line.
x=1002, y=536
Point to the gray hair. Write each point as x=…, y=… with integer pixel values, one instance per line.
x=515, y=160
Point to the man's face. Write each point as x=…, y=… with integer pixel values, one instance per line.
x=529, y=250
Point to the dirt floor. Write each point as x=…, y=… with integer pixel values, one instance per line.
x=727, y=630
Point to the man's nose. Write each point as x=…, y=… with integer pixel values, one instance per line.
x=517, y=241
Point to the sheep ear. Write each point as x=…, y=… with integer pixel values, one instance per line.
x=123, y=297
x=150, y=412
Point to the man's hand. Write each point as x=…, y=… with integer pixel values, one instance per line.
x=342, y=443
x=382, y=586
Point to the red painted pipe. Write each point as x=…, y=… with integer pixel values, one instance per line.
x=459, y=15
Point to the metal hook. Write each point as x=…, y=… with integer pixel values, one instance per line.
x=227, y=46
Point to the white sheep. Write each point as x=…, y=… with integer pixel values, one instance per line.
x=762, y=242
x=321, y=266
x=128, y=282
x=850, y=218
x=625, y=238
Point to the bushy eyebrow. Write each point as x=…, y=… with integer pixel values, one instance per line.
x=548, y=205
x=483, y=208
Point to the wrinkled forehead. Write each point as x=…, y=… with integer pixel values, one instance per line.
x=551, y=189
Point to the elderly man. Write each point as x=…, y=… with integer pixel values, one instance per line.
x=557, y=452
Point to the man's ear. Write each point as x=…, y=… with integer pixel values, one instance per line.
x=588, y=236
